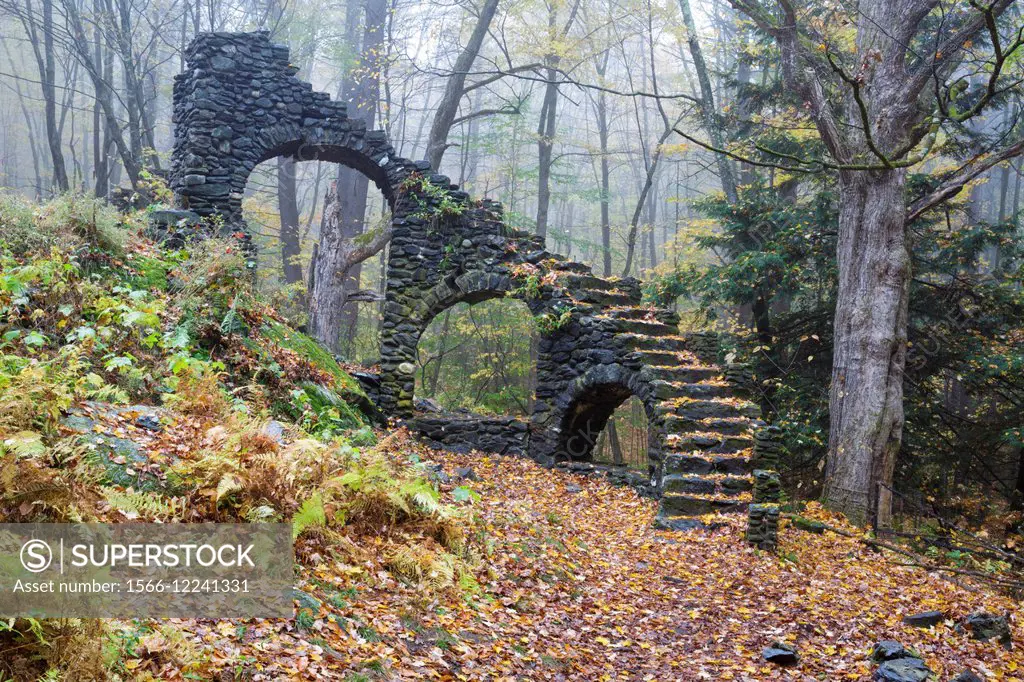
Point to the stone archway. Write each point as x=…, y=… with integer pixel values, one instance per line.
x=240, y=103
x=588, y=403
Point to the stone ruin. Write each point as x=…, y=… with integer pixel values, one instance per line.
x=239, y=103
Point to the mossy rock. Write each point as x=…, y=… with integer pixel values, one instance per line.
x=119, y=458
x=345, y=386
x=808, y=525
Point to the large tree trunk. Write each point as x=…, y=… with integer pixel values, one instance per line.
x=866, y=398
x=333, y=260
x=455, y=87
x=335, y=280
x=327, y=292
x=288, y=207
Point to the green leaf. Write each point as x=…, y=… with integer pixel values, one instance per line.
x=464, y=494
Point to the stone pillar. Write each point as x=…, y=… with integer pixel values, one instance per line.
x=763, y=514
x=767, y=447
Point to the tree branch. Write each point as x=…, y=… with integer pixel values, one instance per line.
x=951, y=187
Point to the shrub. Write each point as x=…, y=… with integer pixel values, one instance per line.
x=70, y=221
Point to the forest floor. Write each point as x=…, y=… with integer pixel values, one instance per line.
x=576, y=585
x=507, y=572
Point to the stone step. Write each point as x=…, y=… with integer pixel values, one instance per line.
x=734, y=426
x=694, y=484
x=711, y=407
x=572, y=266
x=576, y=282
x=673, y=504
x=647, y=313
x=675, y=344
x=656, y=359
x=716, y=443
x=703, y=464
x=683, y=374
x=603, y=298
x=702, y=390
x=637, y=326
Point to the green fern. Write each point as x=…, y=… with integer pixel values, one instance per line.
x=142, y=504
x=311, y=514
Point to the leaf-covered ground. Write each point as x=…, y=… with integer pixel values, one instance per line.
x=575, y=584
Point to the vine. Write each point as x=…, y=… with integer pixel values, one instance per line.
x=555, y=320
x=434, y=201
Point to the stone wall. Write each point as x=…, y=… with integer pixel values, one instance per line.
x=239, y=103
x=463, y=433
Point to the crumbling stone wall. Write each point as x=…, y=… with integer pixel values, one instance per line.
x=239, y=103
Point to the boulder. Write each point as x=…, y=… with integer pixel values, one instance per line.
x=780, y=653
x=274, y=430
x=150, y=422
x=925, y=619
x=466, y=474
x=903, y=670
x=889, y=650
x=985, y=626
x=967, y=676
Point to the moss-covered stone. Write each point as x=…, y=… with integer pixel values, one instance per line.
x=120, y=459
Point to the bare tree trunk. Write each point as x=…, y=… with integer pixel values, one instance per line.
x=707, y=103
x=613, y=442
x=288, y=207
x=42, y=47
x=545, y=147
x=601, y=67
x=866, y=396
x=548, y=112
x=335, y=280
x=327, y=293
x=99, y=142
x=103, y=88
x=455, y=85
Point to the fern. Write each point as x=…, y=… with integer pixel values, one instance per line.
x=142, y=504
x=311, y=514
x=261, y=514
x=228, y=484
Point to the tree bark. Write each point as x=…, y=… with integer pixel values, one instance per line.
x=47, y=64
x=334, y=279
x=545, y=147
x=707, y=102
x=613, y=442
x=606, y=222
x=288, y=208
x=455, y=85
x=866, y=396
x=334, y=258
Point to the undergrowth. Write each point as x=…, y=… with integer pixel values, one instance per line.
x=93, y=315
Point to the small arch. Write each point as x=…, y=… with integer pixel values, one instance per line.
x=472, y=286
x=590, y=401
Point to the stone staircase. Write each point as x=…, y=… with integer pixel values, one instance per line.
x=708, y=452
x=707, y=431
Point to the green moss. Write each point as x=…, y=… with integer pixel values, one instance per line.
x=152, y=273
x=316, y=354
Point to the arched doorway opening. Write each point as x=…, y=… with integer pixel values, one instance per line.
x=287, y=205
x=624, y=440
x=590, y=403
x=480, y=358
